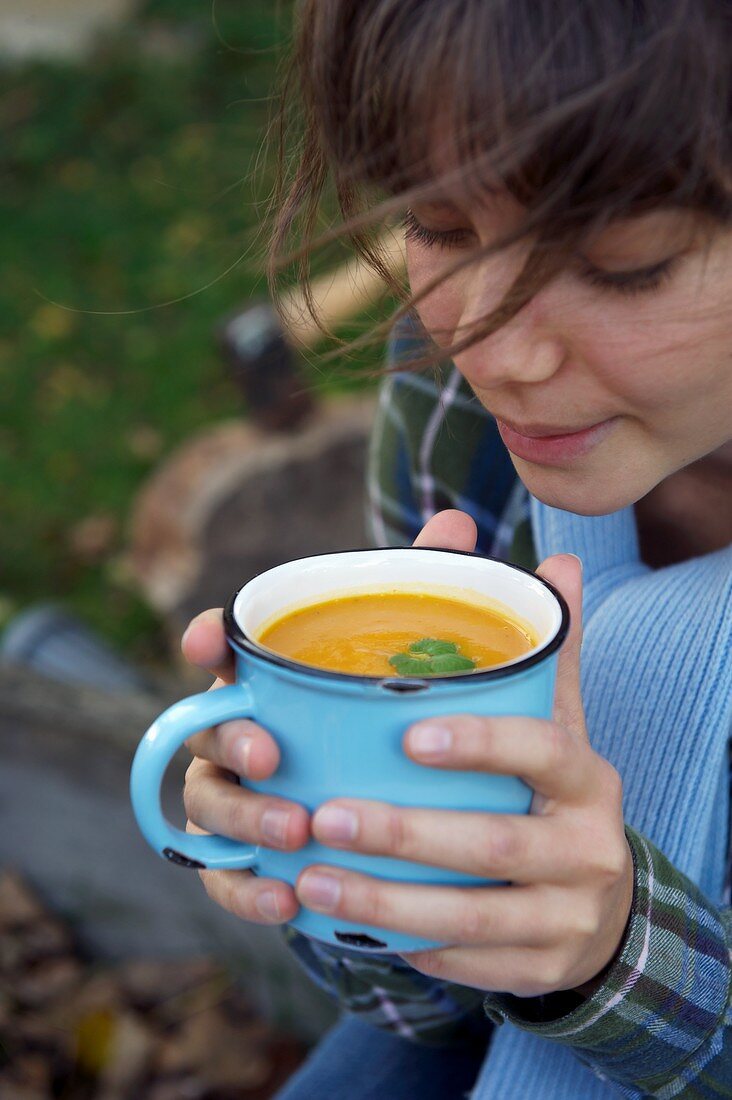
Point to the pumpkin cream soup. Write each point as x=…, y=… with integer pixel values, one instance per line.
x=407, y=633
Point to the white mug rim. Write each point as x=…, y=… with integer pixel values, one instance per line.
x=241, y=641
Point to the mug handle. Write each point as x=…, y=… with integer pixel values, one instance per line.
x=164, y=737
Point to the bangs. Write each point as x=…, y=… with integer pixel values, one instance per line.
x=583, y=111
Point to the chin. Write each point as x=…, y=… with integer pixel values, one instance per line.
x=581, y=491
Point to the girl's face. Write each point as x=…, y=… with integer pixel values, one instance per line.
x=616, y=374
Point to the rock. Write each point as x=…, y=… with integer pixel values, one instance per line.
x=236, y=500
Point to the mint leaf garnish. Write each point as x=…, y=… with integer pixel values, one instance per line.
x=433, y=647
x=431, y=657
x=409, y=666
x=450, y=662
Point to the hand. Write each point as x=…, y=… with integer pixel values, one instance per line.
x=561, y=919
x=214, y=800
x=216, y=803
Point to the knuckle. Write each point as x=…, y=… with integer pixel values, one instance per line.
x=227, y=737
x=474, y=736
x=190, y=800
x=611, y=862
x=585, y=921
x=228, y=897
x=373, y=906
x=556, y=745
x=217, y=887
x=239, y=902
x=431, y=963
x=472, y=924
x=500, y=851
x=503, y=848
x=193, y=770
x=612, y=784
x=398, y=836
x=553, y=971
x=237, y=819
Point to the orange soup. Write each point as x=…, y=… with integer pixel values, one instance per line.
x=397, y=633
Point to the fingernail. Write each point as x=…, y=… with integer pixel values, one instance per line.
x=273, y=826
x=336, y=823
x=577, y=558
x=320, y=891
x=242, y=749
x=268, y=906
x=430, y=740
x=236, y=738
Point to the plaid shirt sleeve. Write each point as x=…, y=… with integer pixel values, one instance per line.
x=388, y=993
x=660, y=1023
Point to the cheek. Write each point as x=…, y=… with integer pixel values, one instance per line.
x=654, y=364
x=441, y=309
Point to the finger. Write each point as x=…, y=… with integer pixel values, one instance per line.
x=544, y=754
x=449, y=530
x=204, y=644
x=525, y=972
x=261, y=900
x=498, y=916
x=240, y=746
x=505, y=847
x=564, y=571
x=219, y=806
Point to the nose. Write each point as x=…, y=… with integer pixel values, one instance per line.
x=525, y=349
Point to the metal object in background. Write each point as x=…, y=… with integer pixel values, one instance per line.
x=264, y=366
x=51, y=641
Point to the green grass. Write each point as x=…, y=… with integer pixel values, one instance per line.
x=126, y=182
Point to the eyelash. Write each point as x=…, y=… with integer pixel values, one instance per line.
x=433, y=238
x=644, y=280
x=627, y=283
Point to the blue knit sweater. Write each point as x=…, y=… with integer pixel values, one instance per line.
x=657, y=687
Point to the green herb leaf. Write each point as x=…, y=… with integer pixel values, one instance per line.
x=409, y=666
x=450, y=662
x=433, y=647
x=431, y=657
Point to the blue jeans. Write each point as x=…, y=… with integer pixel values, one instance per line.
x=356, y=1061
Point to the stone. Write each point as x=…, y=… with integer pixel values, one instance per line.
x=236, y=500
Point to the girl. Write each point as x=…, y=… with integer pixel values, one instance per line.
x=564, y=171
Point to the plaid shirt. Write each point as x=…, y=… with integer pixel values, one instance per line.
x=658, y=1023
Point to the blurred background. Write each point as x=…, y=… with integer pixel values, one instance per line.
x=162, y=439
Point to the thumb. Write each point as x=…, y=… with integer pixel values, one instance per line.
x=564, y=571
x=449, y=530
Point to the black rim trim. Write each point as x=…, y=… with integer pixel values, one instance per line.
x=240, y=640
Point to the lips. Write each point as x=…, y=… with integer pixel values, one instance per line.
x=549, y=445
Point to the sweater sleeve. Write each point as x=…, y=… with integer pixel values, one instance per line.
x=660, y=1023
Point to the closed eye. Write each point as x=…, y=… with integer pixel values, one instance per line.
x=628, y=282
x=434, y=238
x=622, y=282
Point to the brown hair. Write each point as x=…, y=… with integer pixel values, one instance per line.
x=586, y=110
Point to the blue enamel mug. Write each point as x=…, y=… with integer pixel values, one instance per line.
x=340, y=735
